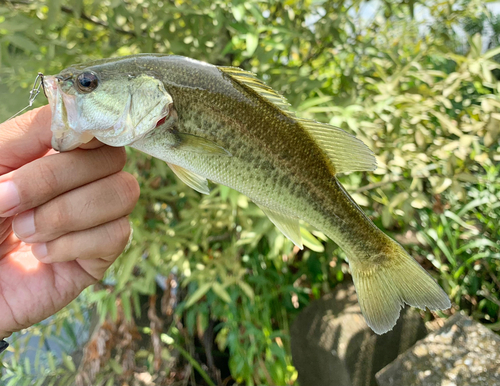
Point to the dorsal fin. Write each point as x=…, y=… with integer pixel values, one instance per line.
x=250, y=80
x=346, y=152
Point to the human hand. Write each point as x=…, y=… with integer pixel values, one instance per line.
x=63, y=219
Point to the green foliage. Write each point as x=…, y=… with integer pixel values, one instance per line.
x=427, y=106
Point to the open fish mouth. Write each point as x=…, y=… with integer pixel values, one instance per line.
x=63, y=107
x=116, y=118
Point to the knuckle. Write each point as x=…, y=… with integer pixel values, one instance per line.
x=38, y=117
x=123, y=229
x=59, y=215
x=121, y=156
x=128, y=190
x=117, y=235
x=32, y=118
x=45, y=178
x=114, y=157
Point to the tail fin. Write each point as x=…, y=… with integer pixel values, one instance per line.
x=384, y=287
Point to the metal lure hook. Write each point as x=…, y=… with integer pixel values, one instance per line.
x=35, y=90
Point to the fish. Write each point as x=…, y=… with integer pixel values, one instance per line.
x=225, y=125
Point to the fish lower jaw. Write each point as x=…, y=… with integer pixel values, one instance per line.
x=68, y=140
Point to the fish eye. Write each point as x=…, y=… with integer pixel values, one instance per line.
x=86, y=82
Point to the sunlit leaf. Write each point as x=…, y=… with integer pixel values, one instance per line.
x=310, y=241
x=198, y=294
x=252, y=43
x=221, y=292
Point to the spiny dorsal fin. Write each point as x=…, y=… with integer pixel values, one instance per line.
x=250, y=80
x=346, y=152
x=193, y=180
x=289, y=226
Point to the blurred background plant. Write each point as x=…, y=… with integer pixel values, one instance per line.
x=208, y=288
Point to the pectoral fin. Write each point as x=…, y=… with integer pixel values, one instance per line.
x=193, y=180
x=195, y=144
x=286, y=224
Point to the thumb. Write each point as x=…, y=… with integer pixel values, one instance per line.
x=25, y=138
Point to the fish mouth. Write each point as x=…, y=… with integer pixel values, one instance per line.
x=64, y=137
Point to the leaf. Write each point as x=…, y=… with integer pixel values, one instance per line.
x=195, y=364
x=127, y=265
x=137, y=303
x=27, y=365
x=491, y=53
x=221, y=292
x=238, y=12
x=252, y=41
x=221, y=339
x=198, y=294
x=68, y=329
x=117, y=368
x=477, y=244
x=21, y=42
x=68, y=362
x=449, y=255
x=247, y=290
x=473, y=204
x=311, y=102
x=447, y=123
x=14, y=25
x=442, y=184
x=54, y=11
x=127, y=306
x=310, y=241
x=51, y=362
x=387, y=220
x=458, y=220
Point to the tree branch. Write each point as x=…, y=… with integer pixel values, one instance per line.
x=95, y=20
x=377, y=185
x=90, y=18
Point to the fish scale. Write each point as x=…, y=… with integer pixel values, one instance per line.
x=223, y=124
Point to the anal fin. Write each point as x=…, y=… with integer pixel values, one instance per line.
x=289, y=226
x=193, y=180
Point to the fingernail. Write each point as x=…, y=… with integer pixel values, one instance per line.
x=24, y=224
x=9, y=196
x=39, y=250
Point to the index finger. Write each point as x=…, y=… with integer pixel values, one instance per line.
x=24, y=138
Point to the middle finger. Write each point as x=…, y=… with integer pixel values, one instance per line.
x=88, y=206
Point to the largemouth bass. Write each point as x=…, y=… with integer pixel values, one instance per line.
x=223, y=124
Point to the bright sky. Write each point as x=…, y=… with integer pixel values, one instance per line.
x=368, y=9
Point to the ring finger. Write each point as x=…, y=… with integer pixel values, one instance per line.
x=91, y=205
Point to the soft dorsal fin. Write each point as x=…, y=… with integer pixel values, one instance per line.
x=250, y=80
x=346, y=152
x=289, y=226
x=193, y=180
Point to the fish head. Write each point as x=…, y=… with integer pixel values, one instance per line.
x=116, y=106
